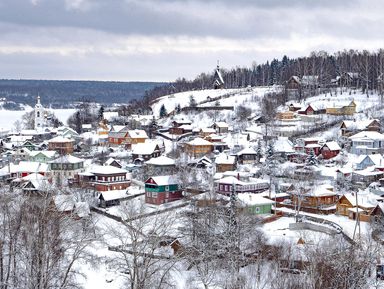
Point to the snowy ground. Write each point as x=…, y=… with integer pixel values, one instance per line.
x=8, y=117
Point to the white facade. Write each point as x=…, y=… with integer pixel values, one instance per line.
x=40, y=116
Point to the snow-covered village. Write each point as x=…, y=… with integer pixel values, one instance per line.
x=200, y=144
x=213, y=188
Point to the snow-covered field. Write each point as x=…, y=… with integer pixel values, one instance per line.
x=8, y=117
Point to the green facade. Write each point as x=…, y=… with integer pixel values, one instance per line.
x=260, y=209
x=41, y=158
x=160, y=189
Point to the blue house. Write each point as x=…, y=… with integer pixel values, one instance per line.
x=367, y=142
x=365, y=161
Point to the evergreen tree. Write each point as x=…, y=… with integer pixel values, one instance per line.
x=100, y=114
x=178, y=108
x=311, y=159
x=163, y=111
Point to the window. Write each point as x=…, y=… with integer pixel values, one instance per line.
x=154, y=194
x=167, y=188
x=257, y=210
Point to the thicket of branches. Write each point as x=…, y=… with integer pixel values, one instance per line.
x=369, y=65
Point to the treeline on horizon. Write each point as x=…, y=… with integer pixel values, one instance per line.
x=64, y=93
x=369, y=65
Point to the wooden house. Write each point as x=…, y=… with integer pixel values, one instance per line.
x=66, y=167
x=206, y=131
x=247, y=156
x=349, y=79
x=294, y=107
x=225, y=163
x=105, y=178
x=220, y=127
x=61, y=144
x=180, y=127
x=321, y=199
x=134, y=137
x=112, y=198
x=42, y=156
x=231, y=184
x=350, y=204
x=366, y=177
x=255, y=204
x=114, y=163
x=117, y=135
x=377, y=213
x=285, y=115
x=161, y=165
x=294, y=82
x=312, y=109
x=349, y=109
x=145, y=151
x=162, y=189
x=198, y=147
x=350, y=127
x=330, y=150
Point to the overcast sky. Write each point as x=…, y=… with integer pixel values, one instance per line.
x=161, y=40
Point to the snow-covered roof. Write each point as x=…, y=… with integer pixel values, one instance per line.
x=373, y=135
x=114, y=195
x=358, y=125
x=60, y=139
x=249, y=199
x=86, y=126
x=247, y=151
x=207, y=130
x=199, y=142
x=165, y=180
x=144, y=148
x=365, y=200
x=333, y=146
x=48, y=154
x=283, y=144
x=137, y=133
x=161, y=161
x=106, y=170
x=221, y=124
x=108, y=115
x=225, y=159
x=67, y=159
x=64, y=203
x=377, y=159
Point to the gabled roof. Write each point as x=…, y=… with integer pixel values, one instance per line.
x=60, y=139
x=48, y=154
x=199, y=142
x=332, y=145
x=357, y=125
x=66, y=159
x=376, y=159
x=147, y=148
x=164, y=180
x=137, y=133
x=106, y=170
x=111, y=160
x=221, y=124
x=247, y=151
x=249, y=199
x=373, y=135
x=225, y=159
x=161, y=161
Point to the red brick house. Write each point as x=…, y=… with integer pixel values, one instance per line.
x=330, y=150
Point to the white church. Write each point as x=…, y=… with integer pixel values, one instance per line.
x=41, y=116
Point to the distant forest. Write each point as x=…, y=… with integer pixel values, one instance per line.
x=64, y=93
x=369, y=66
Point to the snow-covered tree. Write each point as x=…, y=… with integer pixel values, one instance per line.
x=311, y=159
x=192, y=101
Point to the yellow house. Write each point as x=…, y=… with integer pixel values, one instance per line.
x=349, y=109
x=198, y=147
x=285, y=115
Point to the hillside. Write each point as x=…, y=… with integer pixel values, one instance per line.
x=61, y=93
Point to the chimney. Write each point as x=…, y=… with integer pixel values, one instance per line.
x=238, y=176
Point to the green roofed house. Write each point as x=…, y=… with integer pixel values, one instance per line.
x=42, y=156
x=255, y=203
x=162, y=189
